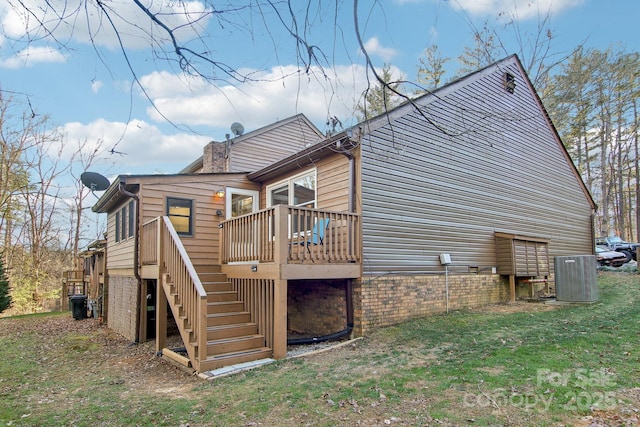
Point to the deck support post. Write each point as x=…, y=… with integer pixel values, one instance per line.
x=280, y=285
x=161, y=315
x=512, y=288
x=280, y=319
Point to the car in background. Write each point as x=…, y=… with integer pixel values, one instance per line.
x=606, y=257
x=615, y=243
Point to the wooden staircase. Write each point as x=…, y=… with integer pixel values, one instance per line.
x=230, y=336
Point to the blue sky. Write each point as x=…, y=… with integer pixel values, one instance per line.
x=91, y=96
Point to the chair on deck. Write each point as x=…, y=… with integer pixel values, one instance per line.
x=316, y=237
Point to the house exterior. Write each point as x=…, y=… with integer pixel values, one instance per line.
x=87, y=279
x=455, y=199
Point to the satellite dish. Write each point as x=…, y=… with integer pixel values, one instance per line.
x=237, y=129
x=94, y=181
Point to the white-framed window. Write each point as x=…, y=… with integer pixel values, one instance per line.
x=299, y=190
x=241, y=202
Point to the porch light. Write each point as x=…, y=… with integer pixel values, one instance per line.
x=220, y=193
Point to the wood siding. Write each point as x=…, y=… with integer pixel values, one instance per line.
x=203, y=245
x=275, y=143
x=333, y=183
x=120, y=254
x=332, y=191
x=482, y=161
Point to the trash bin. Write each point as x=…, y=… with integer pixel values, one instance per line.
x=78, y=305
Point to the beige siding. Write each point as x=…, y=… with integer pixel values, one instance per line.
x=119, y=253
x=332, y=181
x=203, y=245
x=475, y=161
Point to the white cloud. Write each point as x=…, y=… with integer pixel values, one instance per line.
x=270, y=97
x=137, y=147
x=144, y=147
x=517, y=9
x=96, y=85
x=374, y=48
x=32, y=56
x=85, y=22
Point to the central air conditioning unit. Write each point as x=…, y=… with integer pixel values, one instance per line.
x=576, y=278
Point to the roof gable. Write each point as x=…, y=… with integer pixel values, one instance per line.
x=256, y=149
x=437, y=107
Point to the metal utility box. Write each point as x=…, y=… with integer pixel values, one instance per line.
x=576, y=278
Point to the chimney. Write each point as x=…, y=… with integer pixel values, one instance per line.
x=214, y=158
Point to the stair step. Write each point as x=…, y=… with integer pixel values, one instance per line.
x=225, y=307
x=231, y=330
x=228, y=318
x=227, y=359
x=213, y=277
x=228, y=345
x=208, y=268
x=214, y=286
x=222, y=296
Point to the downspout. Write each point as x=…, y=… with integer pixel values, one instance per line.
x=349, y=284
x=136, y=256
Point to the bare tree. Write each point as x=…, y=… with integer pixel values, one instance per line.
x=31, y=222
x=82, y=160
x=431, y=68
x=15, y=141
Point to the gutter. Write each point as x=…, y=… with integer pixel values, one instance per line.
x=136, y=255
x=349, y=287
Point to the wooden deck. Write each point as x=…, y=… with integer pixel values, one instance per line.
x=235, y=309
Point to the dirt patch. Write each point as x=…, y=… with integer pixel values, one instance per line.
x=109, y=355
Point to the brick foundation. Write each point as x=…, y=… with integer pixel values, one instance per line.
x=389, y=300
x=122, y=306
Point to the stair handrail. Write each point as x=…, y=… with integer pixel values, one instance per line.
x=196, y=309
x=184, y=256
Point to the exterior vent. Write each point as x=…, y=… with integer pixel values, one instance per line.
x=509, y=82
x=576, y=278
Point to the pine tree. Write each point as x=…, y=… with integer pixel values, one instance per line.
x=5, y=298
x=381, y=97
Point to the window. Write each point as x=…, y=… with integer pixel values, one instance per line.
x=180, y=213
x=241, y=202
x=299, y=190
x=131, y=219
x=124, y=223
x=117, y=226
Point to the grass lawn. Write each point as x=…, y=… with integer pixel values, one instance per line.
x=521, y=365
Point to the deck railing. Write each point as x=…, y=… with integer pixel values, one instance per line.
x=258, y=296
x=288, y=234
x=73, y=276
x=191, y=309
x=149, y=243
